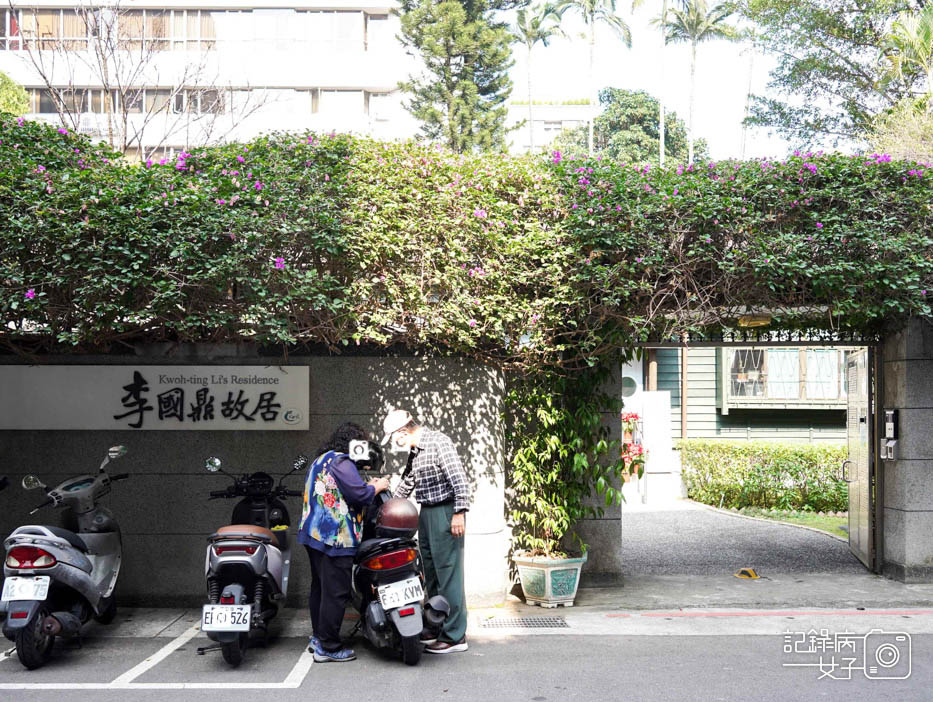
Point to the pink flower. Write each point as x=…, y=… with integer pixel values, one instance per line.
x=240, y=159
x=819, y=225
x=480, y=213
x=31, y=293
x=62, y=130
x=472, y=322
x=220, y=202
x=258, y=185
x=556, y=157
x=20, y=121
x=280, y=262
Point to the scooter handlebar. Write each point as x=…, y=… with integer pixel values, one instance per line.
x=294, y=493
x=119, y=476
x=48, y=502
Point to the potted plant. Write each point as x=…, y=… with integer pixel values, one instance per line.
x=561, y=456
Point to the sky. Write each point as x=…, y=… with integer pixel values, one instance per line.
x=560, y=72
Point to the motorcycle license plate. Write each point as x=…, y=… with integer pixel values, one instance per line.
x=401, y=593
x=23, y=588
x=225, y=617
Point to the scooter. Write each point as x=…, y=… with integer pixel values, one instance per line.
x=388, y=578
x=248, y=562
x=58, y=578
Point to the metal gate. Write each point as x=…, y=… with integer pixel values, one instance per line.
x=857, y=470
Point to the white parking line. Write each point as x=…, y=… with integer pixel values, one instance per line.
x=157, y=657
x=294, y=679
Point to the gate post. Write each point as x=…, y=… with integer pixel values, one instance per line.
x=907, y=479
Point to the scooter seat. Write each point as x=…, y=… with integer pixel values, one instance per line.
x=68, y=536
x=245, y=531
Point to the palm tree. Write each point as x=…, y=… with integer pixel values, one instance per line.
x=661, y=117
x=530, y=29
x=696, y=24
x=593, y=12
x=909, y=46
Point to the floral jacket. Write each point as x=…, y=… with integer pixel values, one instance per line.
x=331, y=514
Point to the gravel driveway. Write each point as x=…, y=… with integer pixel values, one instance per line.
x=688, y=539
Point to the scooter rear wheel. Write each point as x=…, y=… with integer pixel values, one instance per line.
x=411, y=649
x=234, y=651
x=34, y=646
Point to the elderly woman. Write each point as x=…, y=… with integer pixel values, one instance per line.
x=331, y=528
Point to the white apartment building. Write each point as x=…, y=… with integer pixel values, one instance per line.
x=184, y=72
x=548, y=120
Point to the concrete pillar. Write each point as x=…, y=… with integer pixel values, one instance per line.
x=907, y=530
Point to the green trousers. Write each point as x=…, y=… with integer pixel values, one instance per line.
x=442, y=554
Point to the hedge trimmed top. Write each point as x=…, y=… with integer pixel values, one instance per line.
x=518, y=260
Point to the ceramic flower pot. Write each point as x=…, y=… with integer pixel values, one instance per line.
x=549, y=582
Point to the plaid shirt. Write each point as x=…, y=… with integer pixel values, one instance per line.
x=436, y=474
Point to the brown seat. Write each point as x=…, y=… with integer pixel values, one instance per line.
x=244, y=531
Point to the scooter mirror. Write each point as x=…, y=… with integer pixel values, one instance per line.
x=31, y=482
x=212, y=464
x=116, y=452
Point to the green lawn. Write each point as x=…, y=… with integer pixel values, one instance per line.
x=825, y=523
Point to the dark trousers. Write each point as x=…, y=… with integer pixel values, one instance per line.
x=442, y=554
x=330, y=592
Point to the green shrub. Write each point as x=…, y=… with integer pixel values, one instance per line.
x=765, y=474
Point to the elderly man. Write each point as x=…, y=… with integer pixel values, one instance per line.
x=441, y=488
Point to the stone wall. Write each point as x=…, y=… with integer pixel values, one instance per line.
x=907, y=531
x=164, y=512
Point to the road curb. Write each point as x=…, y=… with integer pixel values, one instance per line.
x=772, y=521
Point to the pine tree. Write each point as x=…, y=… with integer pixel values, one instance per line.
x=461, y=96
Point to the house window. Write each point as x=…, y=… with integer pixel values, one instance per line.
x=785, y=376
x=378, y=34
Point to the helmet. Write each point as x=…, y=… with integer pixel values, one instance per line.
x=397, y=517
x=367, y=454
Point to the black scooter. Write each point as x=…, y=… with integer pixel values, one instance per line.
x=247, y=562
x=388, y=579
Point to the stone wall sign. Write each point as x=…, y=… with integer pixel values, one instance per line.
x=139, y=398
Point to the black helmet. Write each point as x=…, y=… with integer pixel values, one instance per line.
x=367, y=454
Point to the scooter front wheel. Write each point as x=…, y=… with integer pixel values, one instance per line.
x=109, y=612
x=34, y=646
x=411, y=649
x=234, y=651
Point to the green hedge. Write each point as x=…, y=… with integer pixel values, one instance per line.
x=765, y=474
x=531, y=262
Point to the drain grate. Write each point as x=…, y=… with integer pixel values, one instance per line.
x=526, y=623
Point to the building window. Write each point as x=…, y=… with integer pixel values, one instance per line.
x=378, y=106
x=791, y=375
x=342, y=102
x=337, y=31
x=377, y=32
x=200, y=101
x=46, y=29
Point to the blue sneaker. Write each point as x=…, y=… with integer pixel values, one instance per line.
x=314, y=644
x=344, y=654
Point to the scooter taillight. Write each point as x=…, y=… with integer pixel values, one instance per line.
x=29, y=557
x=221, y=550
x=229, y=599
x=387, y=561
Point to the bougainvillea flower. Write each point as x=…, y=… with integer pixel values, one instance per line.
x=279, y=262
x=31, y=293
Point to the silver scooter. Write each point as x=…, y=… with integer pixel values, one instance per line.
x=57, y=579
x=247, y=562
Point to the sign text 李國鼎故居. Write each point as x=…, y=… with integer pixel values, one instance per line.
x=140, y=397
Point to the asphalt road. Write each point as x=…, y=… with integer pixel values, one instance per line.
x=546, y=668
x=604, y=653
x=697, y=541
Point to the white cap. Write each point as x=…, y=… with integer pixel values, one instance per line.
x=395, y=420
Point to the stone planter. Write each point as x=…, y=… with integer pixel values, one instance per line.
x=549, y=582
